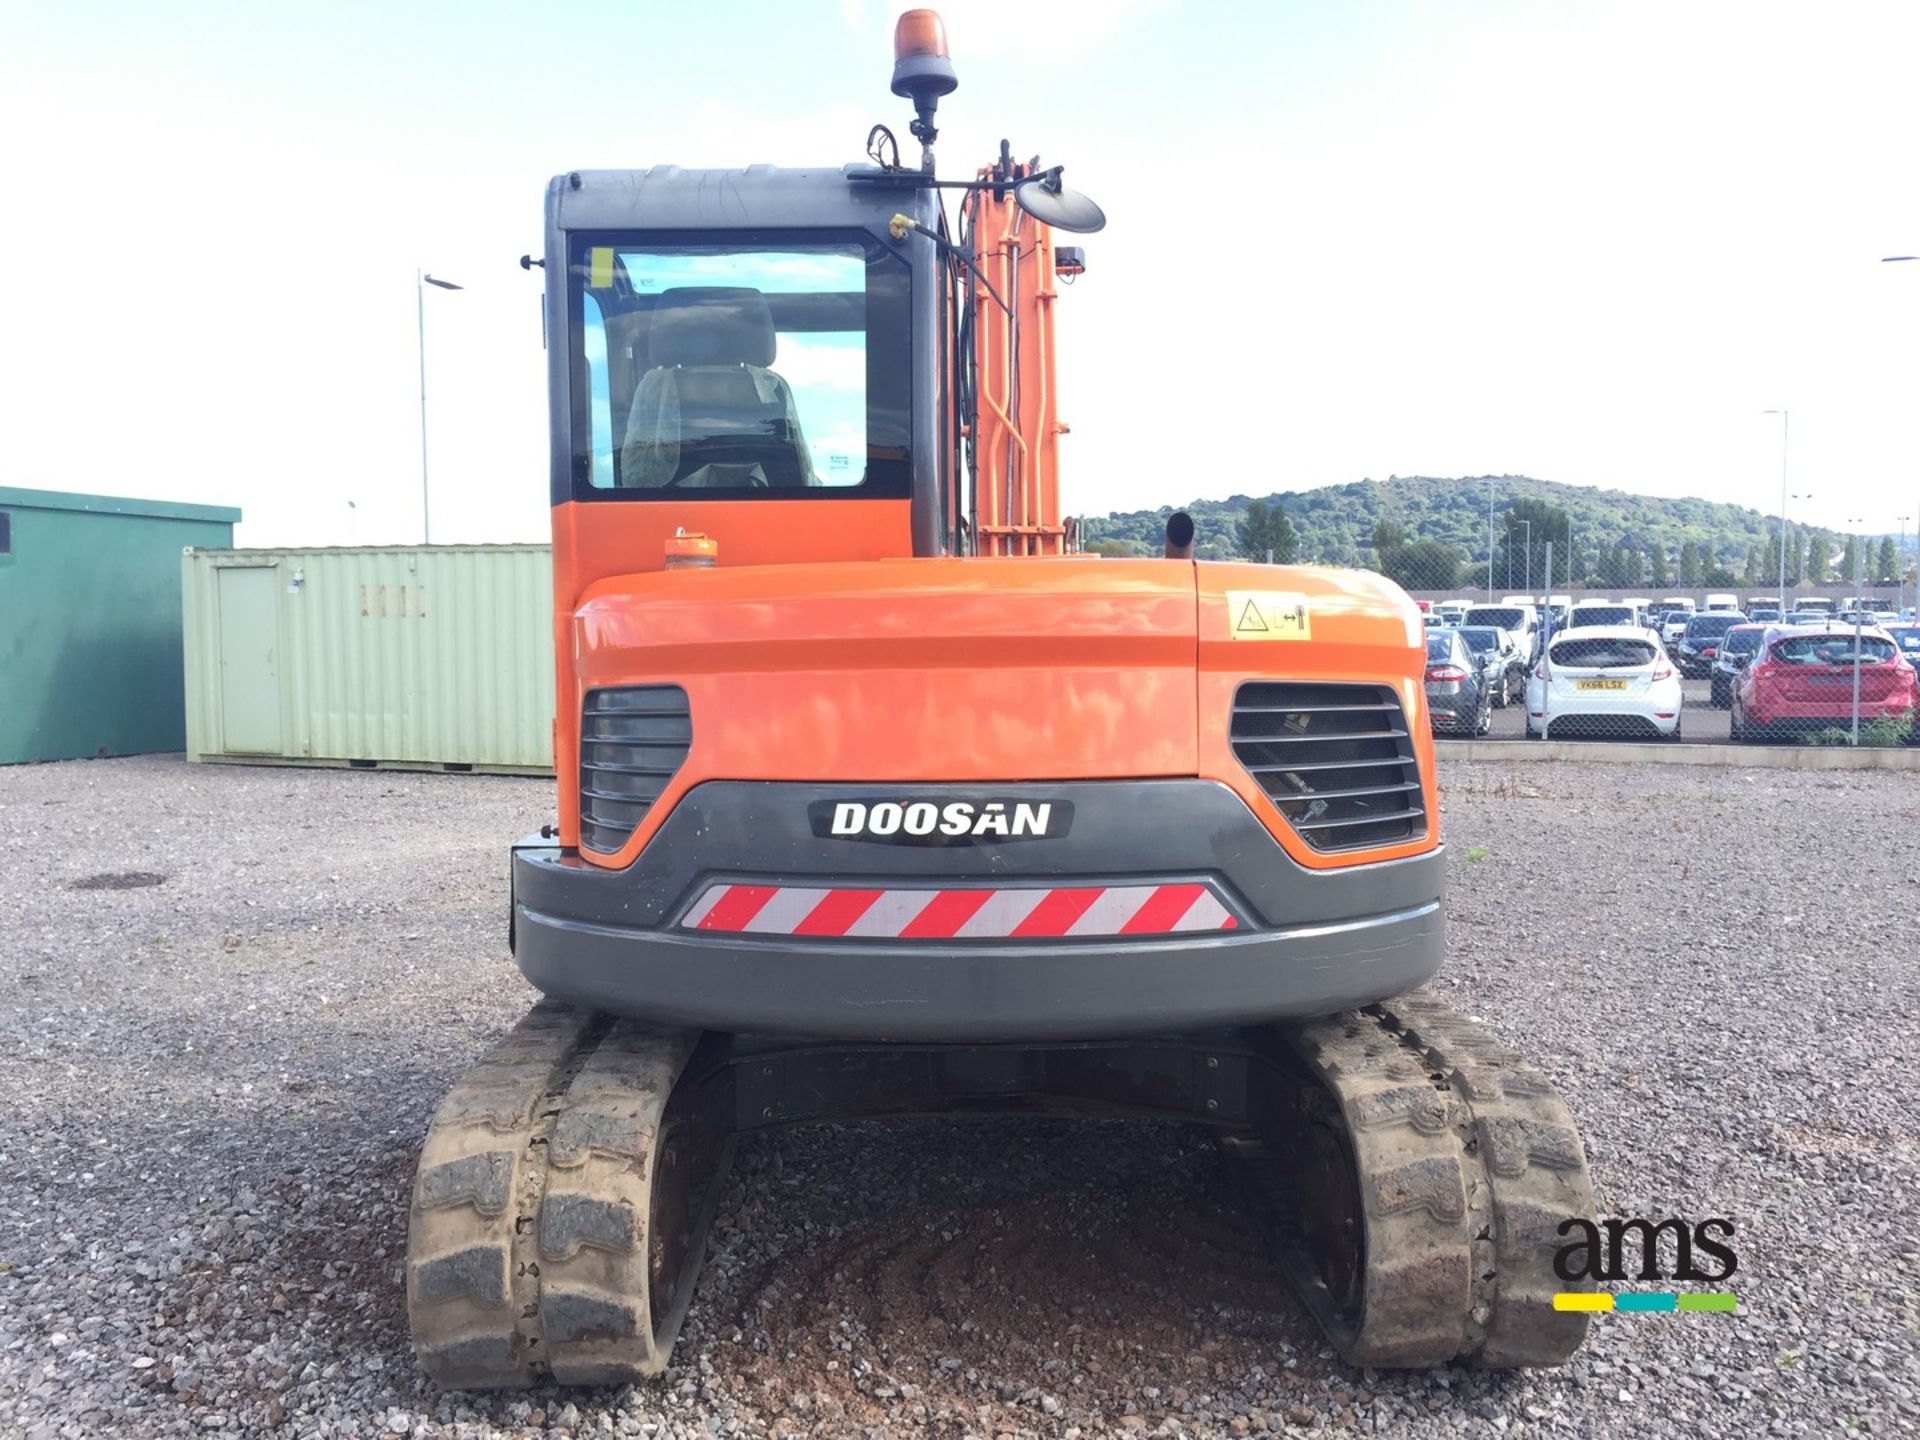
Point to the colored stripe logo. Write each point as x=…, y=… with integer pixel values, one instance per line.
x=1645, y=1301
x=1067, y=912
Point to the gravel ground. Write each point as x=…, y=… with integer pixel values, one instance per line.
x=217, y=1080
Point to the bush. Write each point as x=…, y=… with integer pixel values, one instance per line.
x=1882, y=730
x=1888, y=730
x=1829, y=736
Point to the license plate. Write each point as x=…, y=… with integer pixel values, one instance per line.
x=1602, y=685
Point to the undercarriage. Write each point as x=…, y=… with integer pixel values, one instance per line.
x=1412, y=1171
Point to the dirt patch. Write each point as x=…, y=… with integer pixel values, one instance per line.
x=119, y=880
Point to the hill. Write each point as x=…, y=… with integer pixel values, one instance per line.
x=1336, y=525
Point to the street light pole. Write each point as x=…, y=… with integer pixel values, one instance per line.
x=1783, y=508
x=1489, y=538
x=1859, y=543
x=1900, y=567
x=1898, y=260
x=1799, y=575
x=420, y=282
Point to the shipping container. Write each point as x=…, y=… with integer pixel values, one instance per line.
x=90, y=621
x=436, y=657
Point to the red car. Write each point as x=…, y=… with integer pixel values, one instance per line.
x=1802, y=679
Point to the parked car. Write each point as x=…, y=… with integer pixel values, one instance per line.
x=1736, y=648
x=1722, y=603
x=1674, y=626
x=1450, y=612
x=1518, y=621
x=1807, y=617
x=1502, y=666
x=1616, y=681
x=1803, y=680
x=1601, y=612
x=1458, y=699
x=1700, y=641
x=1764, y=612
x=1907, y=636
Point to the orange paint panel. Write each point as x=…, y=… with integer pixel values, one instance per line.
x=908, y=671
x=1362, y=629
x=597, y=538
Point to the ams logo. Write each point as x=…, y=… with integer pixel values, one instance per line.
x=1601, y=1252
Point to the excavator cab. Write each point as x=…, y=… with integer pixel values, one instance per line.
x=753, y=343
x=876, y=798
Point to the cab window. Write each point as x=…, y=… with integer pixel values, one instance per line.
x=742, y=370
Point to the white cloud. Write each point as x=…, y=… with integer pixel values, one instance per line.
x=810, y=364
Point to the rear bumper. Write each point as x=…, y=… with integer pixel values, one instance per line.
x=1305, y=942
x=1824, y=713
x=1453, y=707
x=1651, y=714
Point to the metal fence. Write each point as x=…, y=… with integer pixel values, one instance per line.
x=1791, y=666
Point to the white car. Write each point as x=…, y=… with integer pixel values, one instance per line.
x=1611, y=680
x=1589, y=613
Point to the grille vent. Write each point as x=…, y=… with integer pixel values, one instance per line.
x=632, y=740
x=1336, y=760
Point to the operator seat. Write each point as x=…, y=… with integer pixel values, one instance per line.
x=707, y=412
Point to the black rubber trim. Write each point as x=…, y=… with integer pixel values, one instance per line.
x=1126, y=831
x=937, y=992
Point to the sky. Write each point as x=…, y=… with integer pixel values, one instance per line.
x=1589, y=241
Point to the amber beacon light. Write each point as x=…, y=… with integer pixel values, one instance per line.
x=922, y=73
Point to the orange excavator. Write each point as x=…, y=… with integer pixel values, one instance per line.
x=879, y=798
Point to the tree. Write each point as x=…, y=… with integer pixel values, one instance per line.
x=1690, y=566
x=1849, y=558
x=1756, y=571
x=1718, y=575
x=1797, y=558
x=1266, y=534
x=1771, y=562
x=1387, y=536
x=1620, y=565
x=1887, y=564
x=1657, y=559
x=1420, y=565
x=1112, y=549
x=1817, y=560
x=1528, y=526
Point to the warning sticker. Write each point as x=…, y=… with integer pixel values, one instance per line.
x=1268, y=615
x=600, y=268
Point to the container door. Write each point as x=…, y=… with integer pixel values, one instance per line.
x=249, y=659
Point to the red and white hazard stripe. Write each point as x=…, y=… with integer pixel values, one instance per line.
x=972, y=914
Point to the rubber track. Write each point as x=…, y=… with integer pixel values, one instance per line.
x=527, y=1247
x=1467, y=1161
